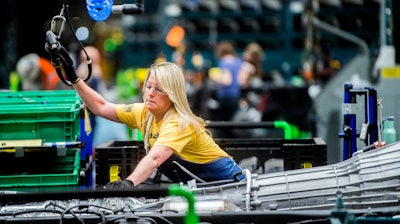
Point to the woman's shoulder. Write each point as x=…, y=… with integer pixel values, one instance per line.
x=137, y=108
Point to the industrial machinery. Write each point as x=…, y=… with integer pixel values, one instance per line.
x=363, y=188
x=366, y=185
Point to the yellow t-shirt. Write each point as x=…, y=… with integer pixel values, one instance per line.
x=197, y=148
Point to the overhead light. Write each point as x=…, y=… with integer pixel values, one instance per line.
x=82, y=33
x=296, y=7
x=172, y=10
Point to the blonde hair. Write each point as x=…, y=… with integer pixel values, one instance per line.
x=170, y=79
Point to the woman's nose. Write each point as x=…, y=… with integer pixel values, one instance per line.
x=151, y=91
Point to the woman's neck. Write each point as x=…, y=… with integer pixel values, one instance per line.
x=160, y=116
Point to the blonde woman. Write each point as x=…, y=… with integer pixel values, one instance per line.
x=174, y=137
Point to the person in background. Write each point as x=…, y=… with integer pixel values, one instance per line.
x=103, y=130
x=251, y=81
x=96, y=80
x=251, y=72
x=173, y=135
x=37, y=73
x=228, y=90
x=227, y=87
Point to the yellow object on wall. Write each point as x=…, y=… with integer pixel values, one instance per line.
x=391, y=72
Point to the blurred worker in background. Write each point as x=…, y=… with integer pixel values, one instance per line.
x=251, y=82
x=175, y=139
x=251, y=72
x=251, y=77
x=96, y=80
x=228, y=92
x=37, y=73
x=103, y=130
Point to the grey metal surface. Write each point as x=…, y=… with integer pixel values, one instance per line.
x=367, y=180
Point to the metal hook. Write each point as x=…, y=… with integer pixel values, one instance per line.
x=54, y=23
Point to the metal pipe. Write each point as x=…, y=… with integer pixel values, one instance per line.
x=287, y=129
x=338, y=32
x=248, y=188
x=191, y=217
x=241, y=125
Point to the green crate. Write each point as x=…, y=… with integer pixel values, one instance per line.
x=40, y=97
x=39, y=94
x=49, y=122
x=39, y=169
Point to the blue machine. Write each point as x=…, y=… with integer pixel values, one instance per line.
x=369, y=130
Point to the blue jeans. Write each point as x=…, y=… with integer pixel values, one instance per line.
x=220, y=169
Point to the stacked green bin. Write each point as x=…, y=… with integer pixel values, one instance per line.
x=51, y=116
x=40, y=170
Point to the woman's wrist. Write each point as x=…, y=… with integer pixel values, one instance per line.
x=76, y=81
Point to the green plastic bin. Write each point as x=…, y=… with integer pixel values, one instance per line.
x=40, y=169
x=40, y=97
x=53, y=122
